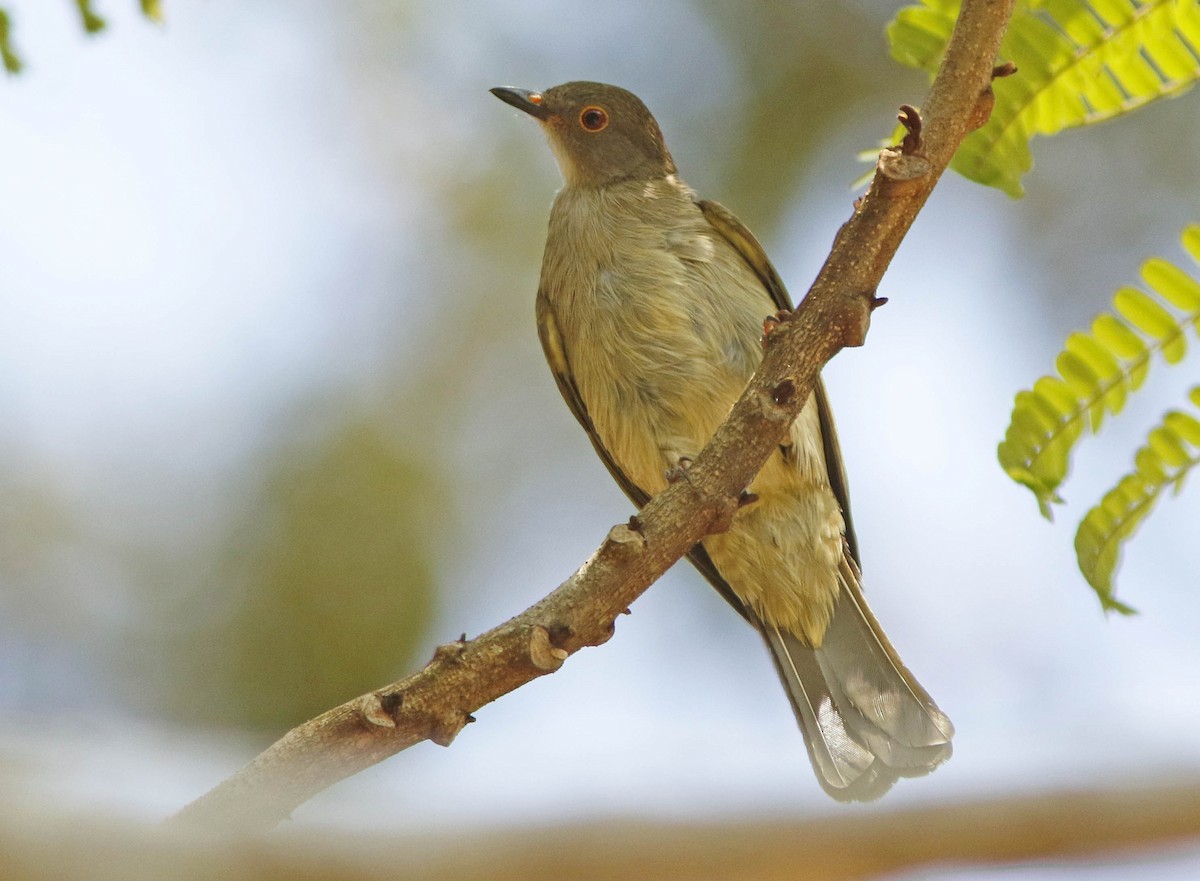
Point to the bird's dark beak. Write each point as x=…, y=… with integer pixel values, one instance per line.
x=530, y=102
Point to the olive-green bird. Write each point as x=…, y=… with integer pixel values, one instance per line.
x=650, y=310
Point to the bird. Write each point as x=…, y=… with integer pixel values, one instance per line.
x=650, y=311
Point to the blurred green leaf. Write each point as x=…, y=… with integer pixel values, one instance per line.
x=8, y=55
x=92, y=23
x=803, y=77
x=333, y=583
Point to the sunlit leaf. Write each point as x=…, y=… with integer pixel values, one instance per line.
x=1097, y=370
x=1079, y=62
x=1171, y=451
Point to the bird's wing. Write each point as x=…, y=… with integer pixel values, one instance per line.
x=743, y=241
x=556, y=356
x=834, y=466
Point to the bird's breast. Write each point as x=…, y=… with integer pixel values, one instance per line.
x=660, y=325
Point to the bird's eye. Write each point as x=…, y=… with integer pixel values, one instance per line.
x=593, y=119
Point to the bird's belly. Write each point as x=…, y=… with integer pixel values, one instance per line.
x=655, y=401
x=782, y=554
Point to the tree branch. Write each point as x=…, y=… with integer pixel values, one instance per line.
x=1109, y=824
x=436, y=702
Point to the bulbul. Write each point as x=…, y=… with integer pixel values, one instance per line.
x=650, y=310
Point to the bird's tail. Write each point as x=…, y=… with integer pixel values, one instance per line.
x=866, y=720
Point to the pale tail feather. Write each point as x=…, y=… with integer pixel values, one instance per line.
x=866, y=720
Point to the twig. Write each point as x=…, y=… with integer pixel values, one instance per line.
x=436, y=702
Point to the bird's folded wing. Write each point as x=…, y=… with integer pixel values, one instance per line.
x=556, y=356
x=723, y=221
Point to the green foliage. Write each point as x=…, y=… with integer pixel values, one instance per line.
x=92, y=23
x=1172, y=450
x=1078, y=63
x=8, y=55
x=1097, y=371
x=326, y=590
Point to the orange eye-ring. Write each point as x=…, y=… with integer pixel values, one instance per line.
x=593, y=118
x=535, y=98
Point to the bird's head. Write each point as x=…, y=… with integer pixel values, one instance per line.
x=600, y=134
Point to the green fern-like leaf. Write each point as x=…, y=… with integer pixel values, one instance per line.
x=1097, y=370
x=1171, y=451
x=1079, y=62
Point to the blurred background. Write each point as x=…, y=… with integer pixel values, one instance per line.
x=274, y=420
